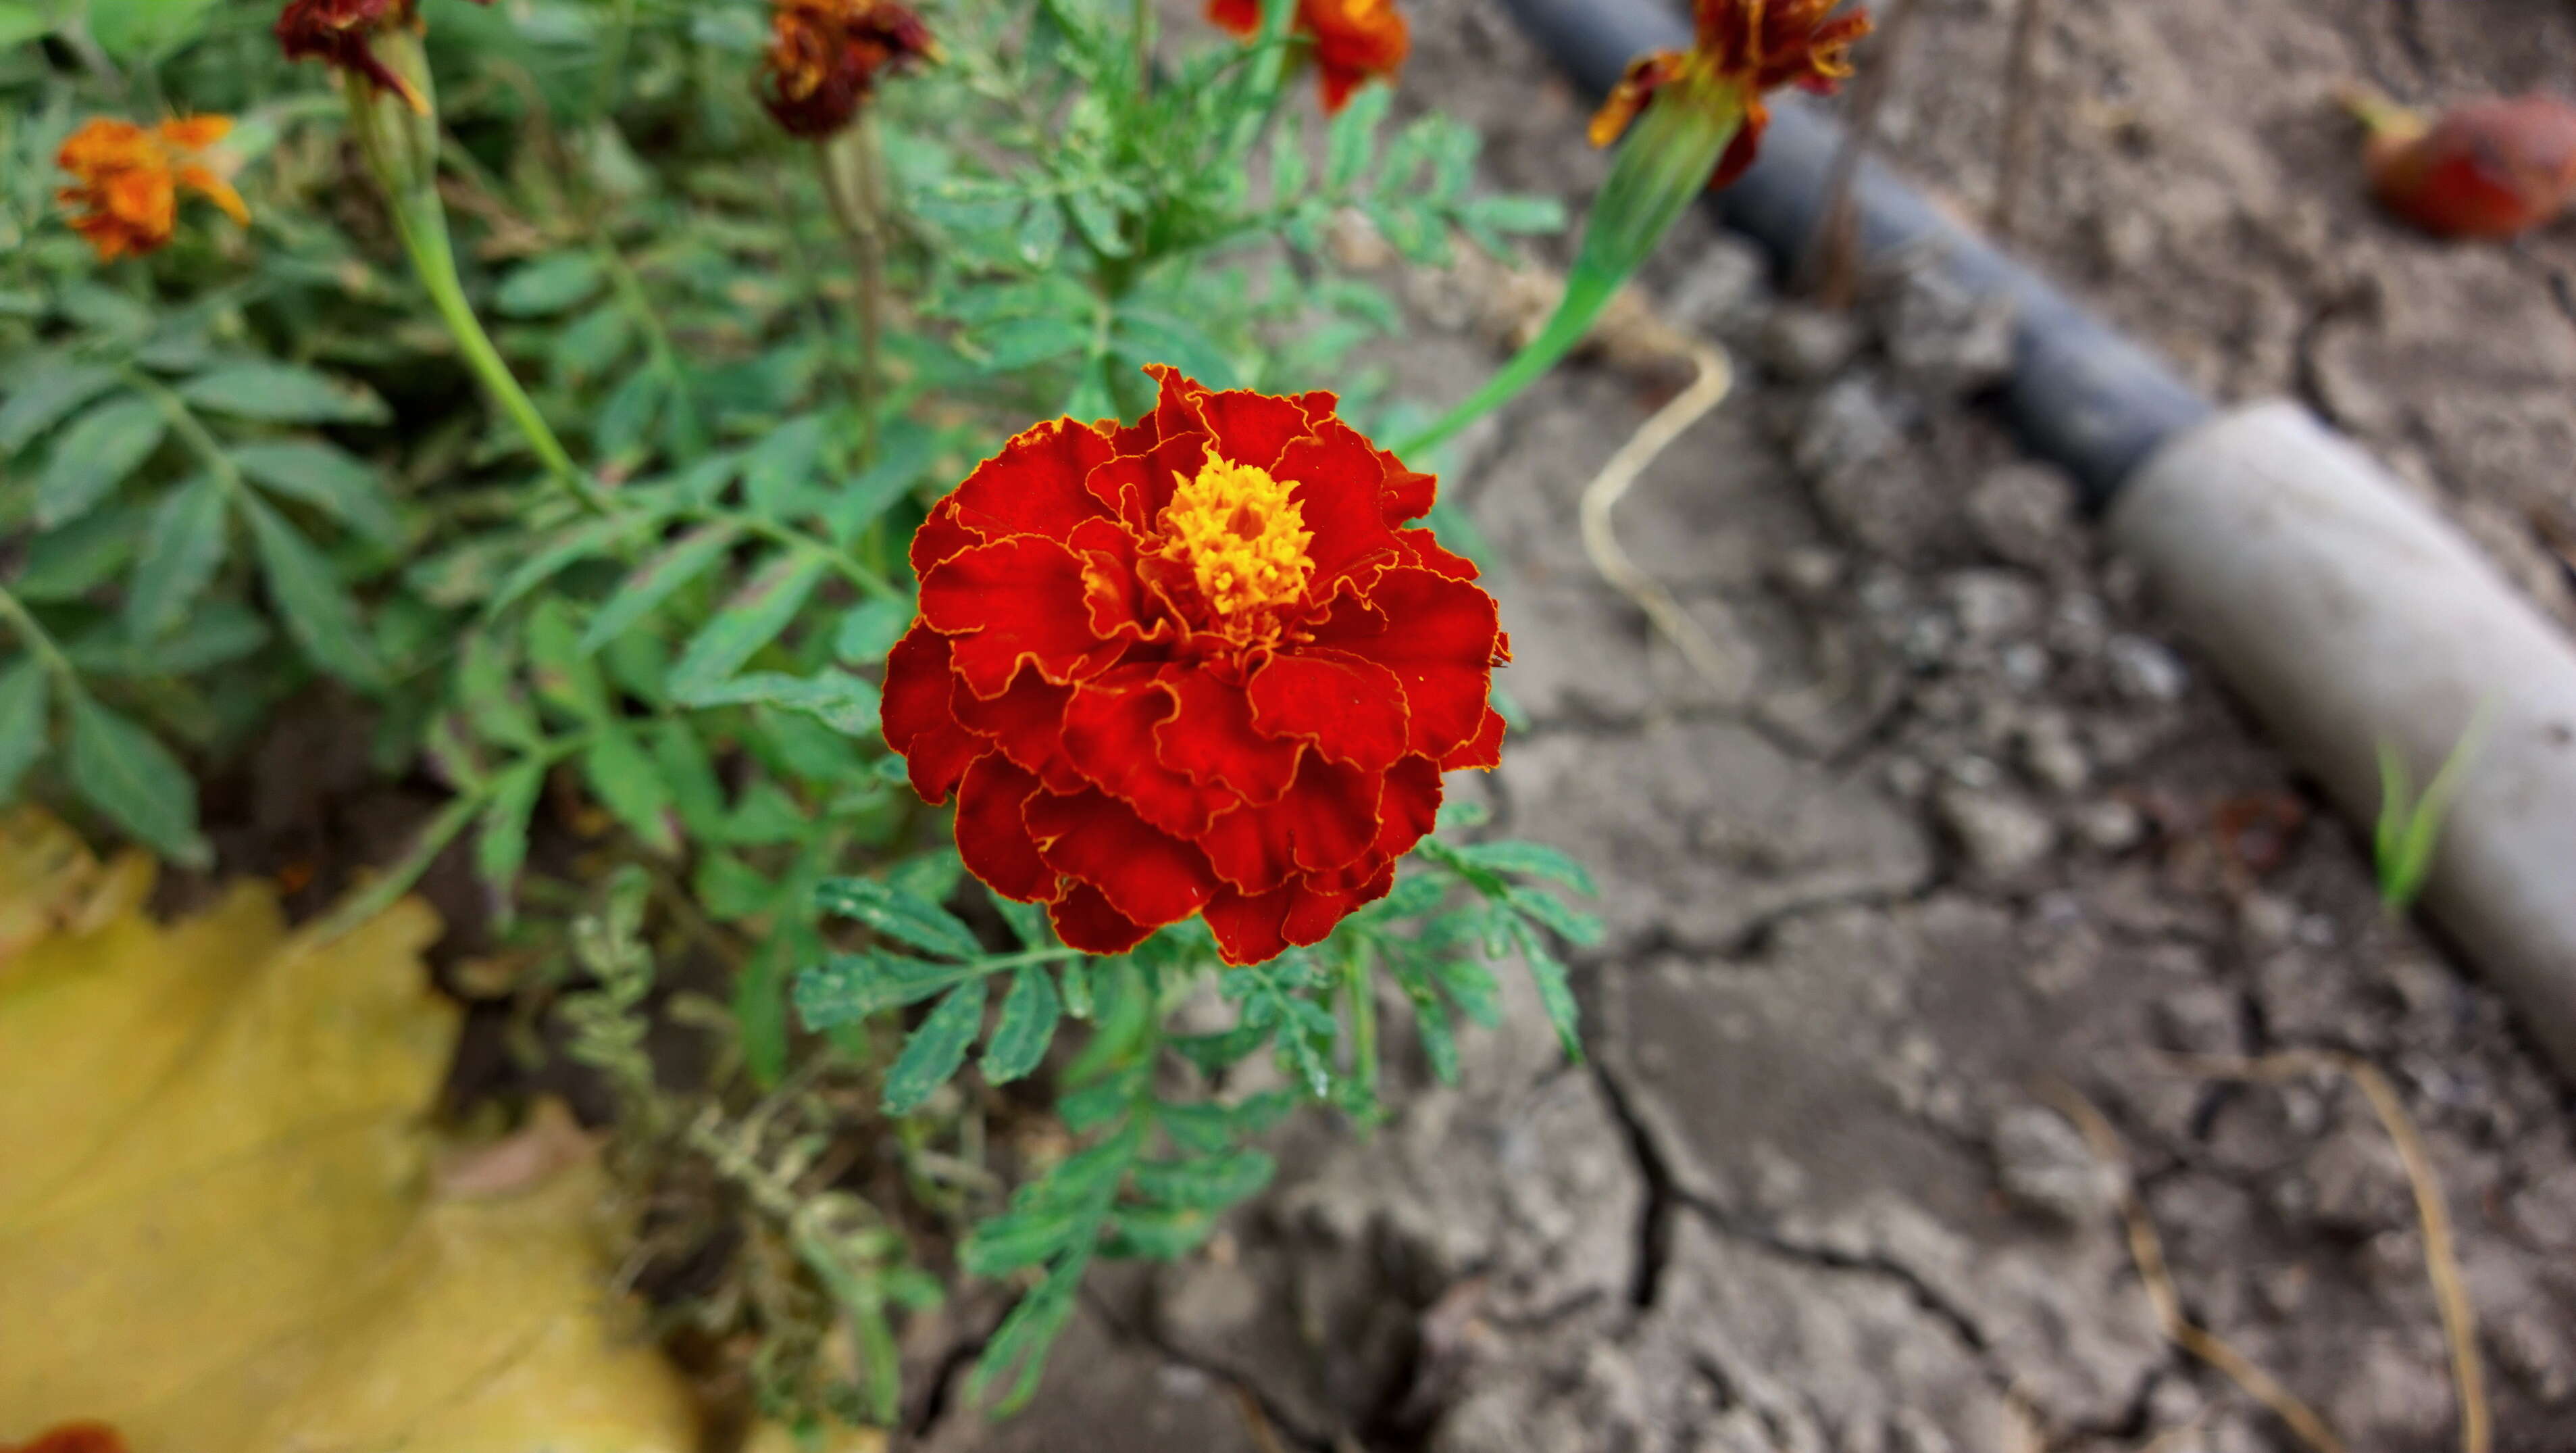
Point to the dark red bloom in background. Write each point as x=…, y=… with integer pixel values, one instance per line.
x=1742, y=48
x=339, y=33
x=82, y=1437
x=825, y=55
x=1356, y=41
x=1197, y=664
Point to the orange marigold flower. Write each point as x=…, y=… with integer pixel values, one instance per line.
x=1197, y=664
x=81, y=1437
x=1356, y=41
x=124, y=195
x=825, y=56
x=1744, y=48
x=338, y=34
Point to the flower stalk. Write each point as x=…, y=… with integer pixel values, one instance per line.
x=850, y=188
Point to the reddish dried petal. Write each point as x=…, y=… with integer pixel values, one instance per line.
x=1482, y=752
x=918, y=723
x=993, y=835
x=1109, y=735
x=1440, y=638
x=1015, y=600
x=1212, y=738
x=1084, y=919
x=1147, y=875
x=1026, y=722
x=1327, y=818
x=1350, y=708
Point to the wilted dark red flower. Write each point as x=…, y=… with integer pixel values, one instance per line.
x=126, y=178
x=825, y=55
x=1356, y=41
x=1744, y=48
x=340, y=34
x=1192, y=665
x=83, y=1437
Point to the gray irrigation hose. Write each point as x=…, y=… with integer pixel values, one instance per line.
x=2080, y=394
x=2348, y=613
x=2340, y=606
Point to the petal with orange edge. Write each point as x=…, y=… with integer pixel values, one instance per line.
x=993, y=833
x=1349, y=708
x=1147, y=875
x=1015, y=600
x=1212, y=738
x=1085, y=920
x=918, y=723
x=1326, y=819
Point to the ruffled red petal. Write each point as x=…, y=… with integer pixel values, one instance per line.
x=1482, y=752
x=1253, y=428
x=1351, y=709
x=1015, y=600
x=940, y=537
x=1406, y=495
x=1026, y=722
x=1035, y=486
x=1439, y=637
x=1409, y=808
x=1338, y=479
x=1084, y=919
x=1326, y=818
x=993, y=835
x=1109, y=735
x=918, y=724
x=1255, y=928
x=1147, y=875
x=1212, y=739
x=1423, y=551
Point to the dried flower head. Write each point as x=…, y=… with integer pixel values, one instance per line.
x=341, y=34
x=1194, y=665
x=825, y=56
x=1743, y=49
x=124, y=195
x=1356, y=41
x=81, y=1437
x=2488, y=168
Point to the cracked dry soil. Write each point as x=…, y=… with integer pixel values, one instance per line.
x=1962, y=821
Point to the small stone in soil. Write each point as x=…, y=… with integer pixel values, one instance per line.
x=2024, y=514
x=1945, y=339
x=1804, y=344
x=2044, y=1167
x=2143, y=670
x=2003, y=838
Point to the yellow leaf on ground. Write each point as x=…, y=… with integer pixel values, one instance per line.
x=218, y=1224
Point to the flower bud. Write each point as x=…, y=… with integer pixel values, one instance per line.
x=2486, y=168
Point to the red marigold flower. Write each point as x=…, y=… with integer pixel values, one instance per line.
x=338, y=34
x=81, y=1437
x=825, y=55
x=1193, y=665
x=1356, y=41
x=124, y=195
x=1744, y=48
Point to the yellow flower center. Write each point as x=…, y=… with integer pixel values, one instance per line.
x=1240, y=534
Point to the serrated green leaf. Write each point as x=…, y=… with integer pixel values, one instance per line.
x=43, y=390
x=1353, y=137
x=1098, y=222
x=592, y=346
x=330, y=479
x=690, y=773
x=1575, y=926
x=748, y=621
x=932, y=1053
x=1028, y=924
x=847, y=987
x=81, y=556
x=845, y=703
x=182, y=549
x=119, y=768
x=549, y=285
x=319, y=615
x=778, y=468
x=1017, y=1239
x=26, y=690
x=1535, y=860
x=652, y=582
x=1157, y=1233
x=488, y=691
x=21, y=22
x=501, y=843
x=1026, y=1028
x=898, y=914
x=1144, y=335
x=627, y=418
x=1555, y=994
x=869, y=630
x=1205, y=1183
x=730, y=889
x=133, y=30
x=216, y=632
x=284, y=393
x=95, y=454
x=563, y=676
x=1470, y=985
x=1289, y=170
x=903, y=455
x=624, y=780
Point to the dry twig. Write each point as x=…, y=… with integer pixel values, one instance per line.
x=2148, y=1251
x=1601, y=541
x=2441, y=1260
x=1833, y=261
x=2021, y=116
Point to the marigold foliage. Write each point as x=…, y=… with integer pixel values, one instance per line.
x=126, y=180
x=1193, y=665
x=1743, y=48
x=1355, y=41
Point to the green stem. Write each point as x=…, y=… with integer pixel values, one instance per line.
x=1143, y=24
x=1364, y=1055
x=854, y=211
x=841, y=560
x=37, y=640
x=1585, y=297
x=191, y=430
x=397, y=880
